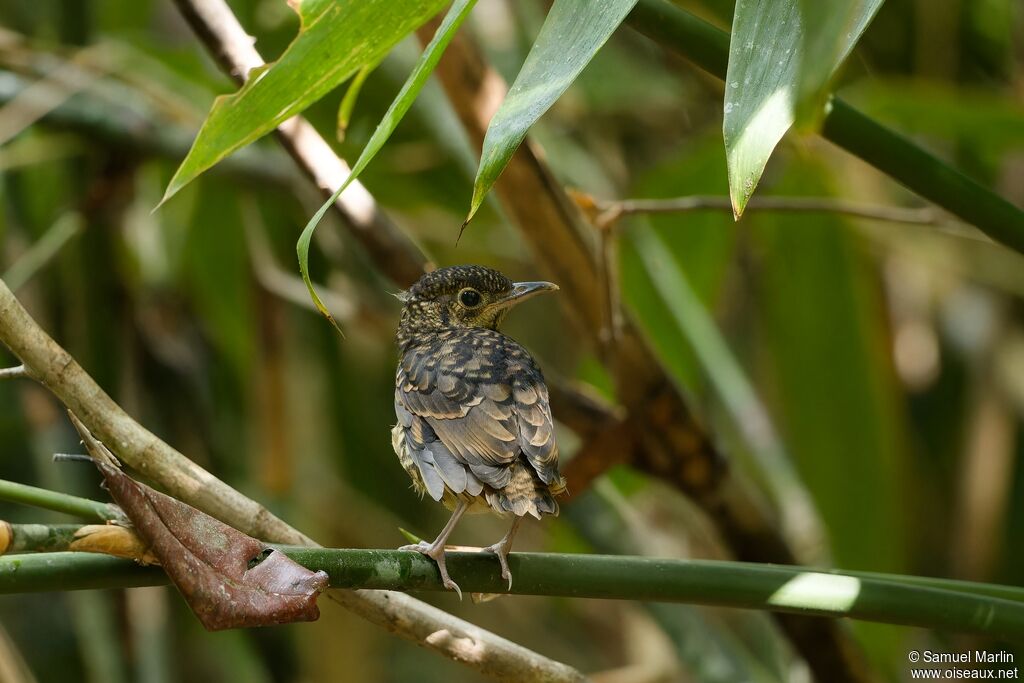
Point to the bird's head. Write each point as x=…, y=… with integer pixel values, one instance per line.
x=464, y=296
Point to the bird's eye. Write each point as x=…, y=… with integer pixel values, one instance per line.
x=470, y=298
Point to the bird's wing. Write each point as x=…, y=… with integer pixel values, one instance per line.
x=454, y=393
x=536, y=431
x=485, y=400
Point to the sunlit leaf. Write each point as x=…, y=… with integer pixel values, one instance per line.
x=336, y=39
x=571, y=35
x=782, y=55
x=406, y=96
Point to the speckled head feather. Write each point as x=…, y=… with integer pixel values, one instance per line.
x=455, y=297
x=454, y=278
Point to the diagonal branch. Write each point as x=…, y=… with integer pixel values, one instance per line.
x=233, y=49
x=47, y=362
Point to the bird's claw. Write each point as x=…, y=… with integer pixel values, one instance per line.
x=501, y=551
x=436, y=553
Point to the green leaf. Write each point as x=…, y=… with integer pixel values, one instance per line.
x=403, y=101
x=410, y=536
x=823, y=330
x=348, y=102
x=731, y=385
x=571, y=35
x=781, y=57
x=335, y=40
x=702, y=244
x=835, y=26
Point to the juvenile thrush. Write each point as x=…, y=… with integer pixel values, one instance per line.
x=474, y=424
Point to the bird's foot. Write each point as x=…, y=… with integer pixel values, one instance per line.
x=436, y=553
x=501, y=549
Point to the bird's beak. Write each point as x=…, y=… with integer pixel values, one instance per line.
x=521, y=291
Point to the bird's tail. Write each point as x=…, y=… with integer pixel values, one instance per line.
x=526, y=494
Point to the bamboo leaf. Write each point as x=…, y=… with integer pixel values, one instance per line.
x=571, y=35
x=823, y=330
x=406, y=96
x=781, y=57
x=335, y=40
x=833, y=28
x=348, y=102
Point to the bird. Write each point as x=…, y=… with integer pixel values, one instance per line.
x=474, y=429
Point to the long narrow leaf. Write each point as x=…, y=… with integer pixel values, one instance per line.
x=735, y=391
x=780, y=56
x=335, y=40
x=407, y=95
x=571, y=35
x=833, y=27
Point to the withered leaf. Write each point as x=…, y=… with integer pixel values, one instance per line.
x=229, y=579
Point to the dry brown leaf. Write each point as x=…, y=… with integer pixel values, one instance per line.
x=229, y=579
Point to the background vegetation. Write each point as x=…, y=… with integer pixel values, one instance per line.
x=867, y=375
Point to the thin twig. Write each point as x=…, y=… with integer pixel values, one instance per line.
x=891, y=214
x=17, y=372
x=897, y=156
x=46, y=499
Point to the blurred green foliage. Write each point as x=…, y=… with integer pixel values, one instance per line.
x=888, y=357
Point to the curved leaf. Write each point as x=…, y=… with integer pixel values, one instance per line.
x=403, y=101
x=336, y=39
x=781, y=57
x=571, y=35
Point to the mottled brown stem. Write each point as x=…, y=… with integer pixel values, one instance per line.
x=670, y=444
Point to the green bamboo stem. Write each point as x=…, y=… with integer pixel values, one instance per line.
x=59, y=502
x=39, y=538
x=888, y=151
x=913, y=601
x=66, y=571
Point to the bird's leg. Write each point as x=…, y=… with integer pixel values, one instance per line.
x=435, y=550
x=502, y=549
